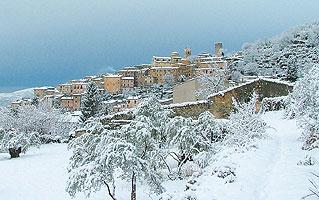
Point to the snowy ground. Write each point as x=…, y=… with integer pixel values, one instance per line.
x=268, y=172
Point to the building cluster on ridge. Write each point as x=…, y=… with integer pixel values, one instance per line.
x=174, y=69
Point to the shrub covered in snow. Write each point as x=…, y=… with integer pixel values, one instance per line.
x=307, y=161
x=245, y=124
x=226, y=172
x=274, y=103
x=16, y=142
x=306, y=107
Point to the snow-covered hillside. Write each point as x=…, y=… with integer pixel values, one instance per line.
x=7, y=98
x=270, y=171
x=291, y=53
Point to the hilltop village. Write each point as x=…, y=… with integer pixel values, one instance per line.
x=126, y=88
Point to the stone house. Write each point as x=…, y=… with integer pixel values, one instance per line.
x=40, y=92
x=112, y=83
x=127, y=82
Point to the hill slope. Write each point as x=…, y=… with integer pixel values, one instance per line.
x=7, y=98
x=295, y=49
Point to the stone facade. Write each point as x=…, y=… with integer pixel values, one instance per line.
x=113, y=83
x=186, y=91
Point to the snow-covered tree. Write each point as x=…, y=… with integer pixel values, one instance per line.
x=136, y=149
x=305, y=102
x=209, y=127
x=90, y=102
x=158, y=116
x=148, y=157
x=285, y=55
x=210, y=84
x=236, y=76
x=16, y=142
x=188, y=139
x=292, y=73
x=85, y=173
x=50, y=124
x=168, y=80
x=245, y=124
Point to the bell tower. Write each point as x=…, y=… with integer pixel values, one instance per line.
x=187, y=52
x=219, y=49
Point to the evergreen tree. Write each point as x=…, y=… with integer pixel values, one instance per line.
x=90, y=102
x=292, y=73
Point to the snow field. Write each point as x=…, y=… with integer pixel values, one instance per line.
x=269, y=171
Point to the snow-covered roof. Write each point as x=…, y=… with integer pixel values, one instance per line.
x=48, y=96
x=164, y=68
x=16, y=102
x=162, y=57
x=132, y=98
x=165, y=100
x=59, y=95
x=79, y=83
x=277, y=81
x=67, y=98
x=65, y=84
x=113, y=76
x=174, y=105
x=110, y=101
x=128, y=78
x=42, y=88
x=132, y=69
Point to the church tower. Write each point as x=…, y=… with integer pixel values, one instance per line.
x=219, y=49
x=187, y=52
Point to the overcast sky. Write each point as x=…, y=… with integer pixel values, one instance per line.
x=45, y=42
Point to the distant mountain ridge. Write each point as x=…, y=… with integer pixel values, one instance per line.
x=7, y=98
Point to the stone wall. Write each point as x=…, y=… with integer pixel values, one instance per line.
x=220, y=104
x=193, y=109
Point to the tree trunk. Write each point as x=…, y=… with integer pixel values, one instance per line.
x=133, y=193
x=15, y=152
x=109, y=191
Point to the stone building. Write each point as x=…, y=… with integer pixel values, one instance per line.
x=67, y=103
x=160, y=74
x=78, y=87
x=65, y=88
x=113, y=83
x=127, y=83
x=186, y=91
x=40, y=92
